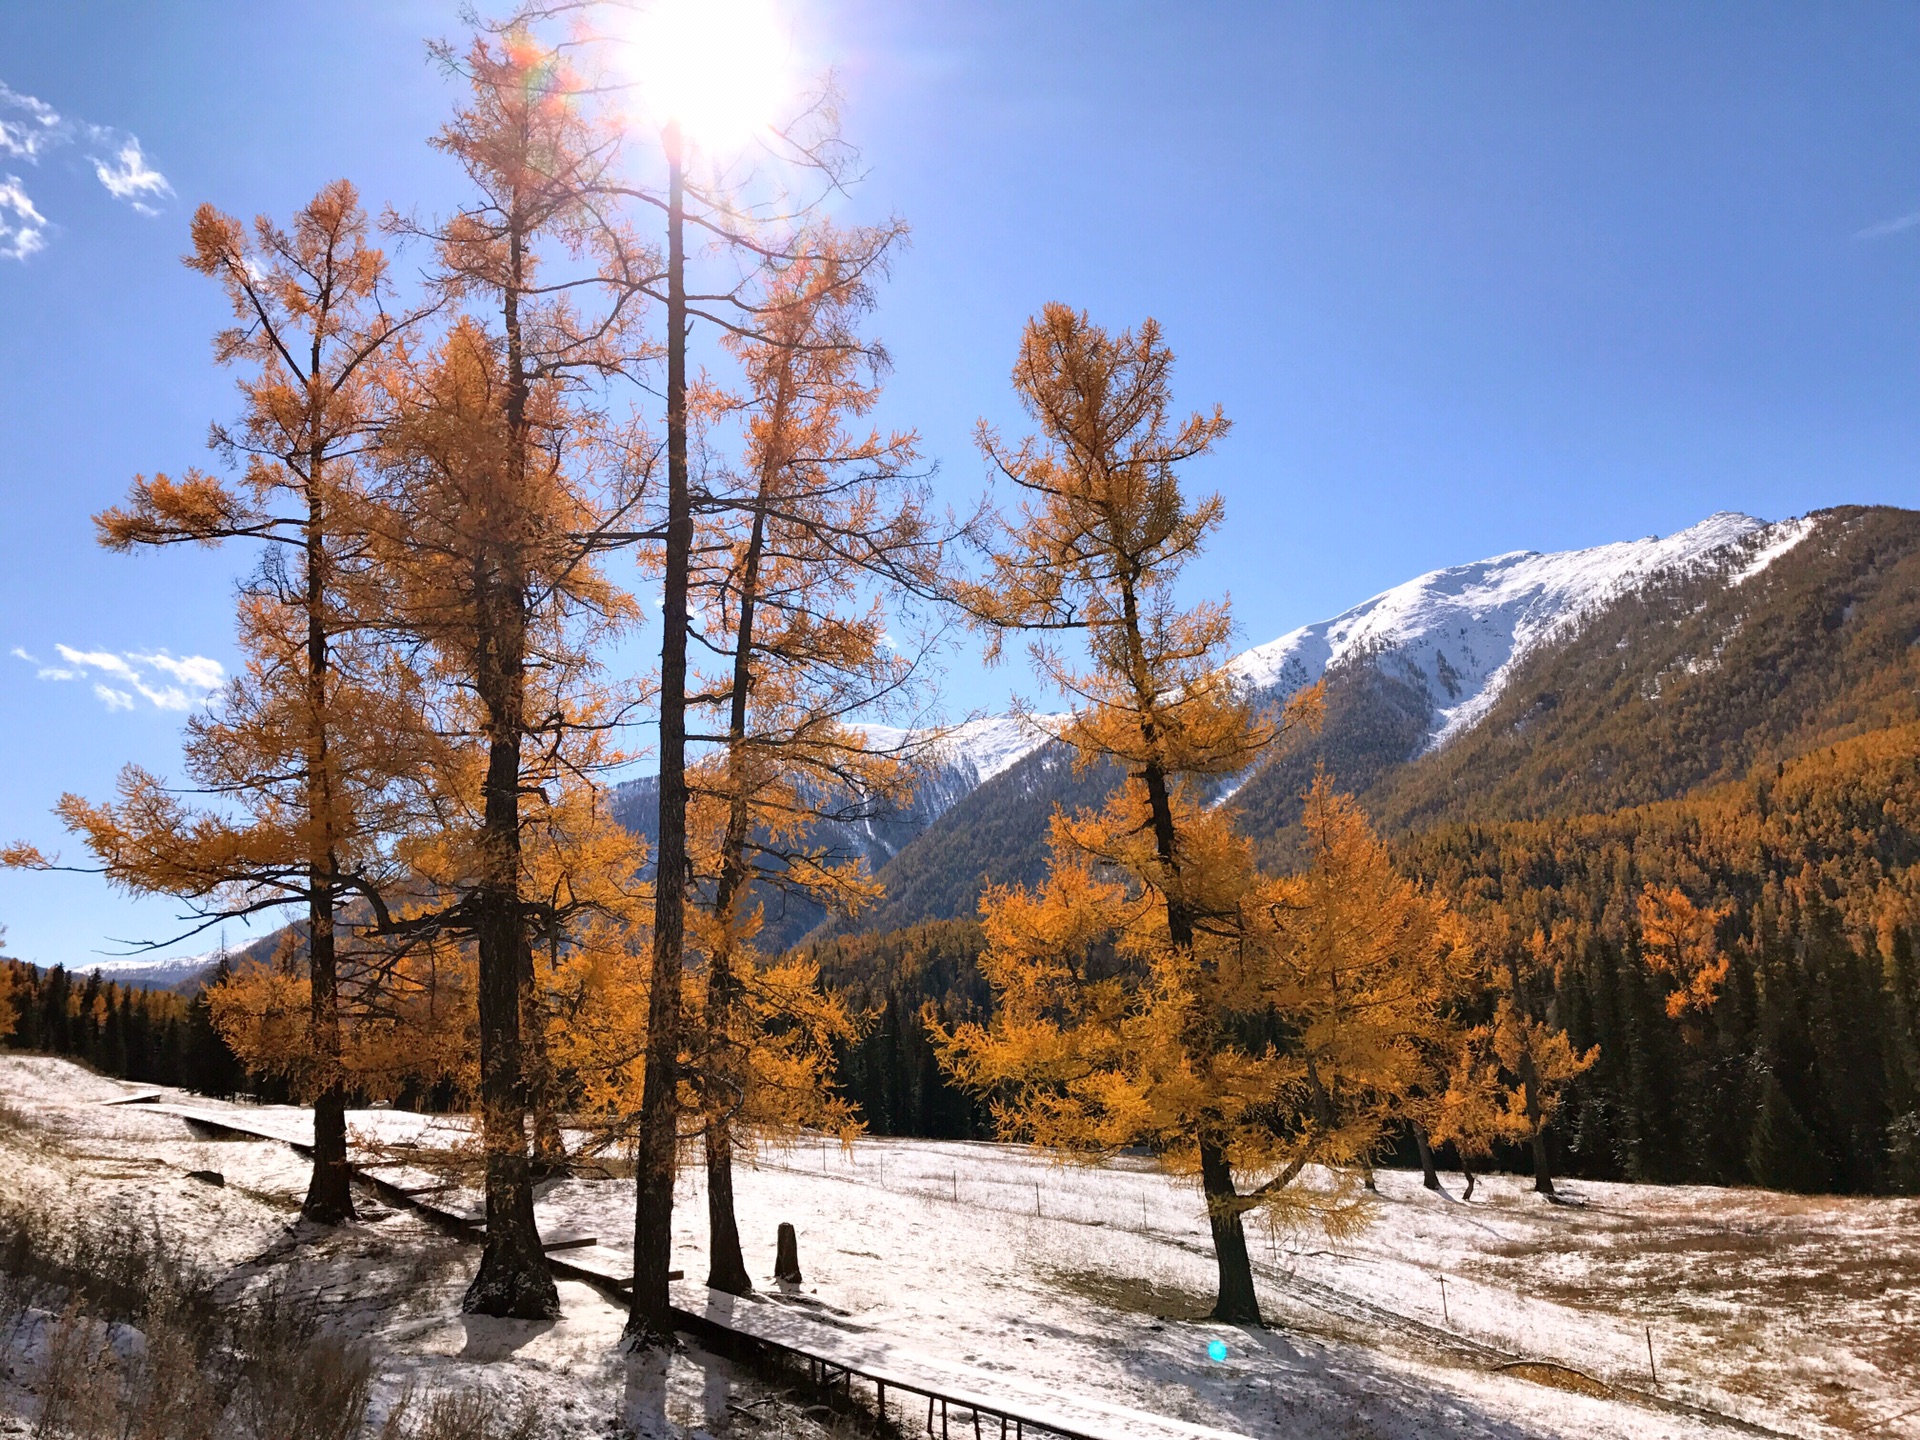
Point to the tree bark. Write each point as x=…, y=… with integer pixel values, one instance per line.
x=1236, y=1304
x=1537, y=1122
x=549, y=1145
x=650, y=1318
x=329, y=1191
x=513, y=1280
x=726, y=1266
x=1429, y=1176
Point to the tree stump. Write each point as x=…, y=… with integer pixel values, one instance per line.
x=786, y=1263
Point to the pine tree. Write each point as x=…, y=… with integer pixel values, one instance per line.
x=308, y=741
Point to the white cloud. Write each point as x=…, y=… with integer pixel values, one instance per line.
x=128, y=176
x=23, y=229
x=196, y=671
x=1889, y=227
x=30, y=128
x=167, y=682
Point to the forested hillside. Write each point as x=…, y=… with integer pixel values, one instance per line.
x=1804, y=1072
x=1685, y=681
x=996, y=835
x=149, y=1035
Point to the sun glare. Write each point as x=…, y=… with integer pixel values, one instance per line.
x=720, y=68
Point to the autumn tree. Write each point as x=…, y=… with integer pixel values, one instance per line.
x=1679, y=941
x=819, y=521
x=1527, y=1035
x=1477, y=1109
x=504, y=477
x=10, y=988
x=1120, y=980
x=299, y=758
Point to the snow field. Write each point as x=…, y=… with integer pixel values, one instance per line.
x=1089, y=1284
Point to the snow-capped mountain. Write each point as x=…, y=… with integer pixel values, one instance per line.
x=972, y=752
x=1456, y=633
x=171, y=972
x=1448, y=641
x=1459, y=633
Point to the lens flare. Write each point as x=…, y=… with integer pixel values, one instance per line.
x=720, y=69
x=1217, y=1351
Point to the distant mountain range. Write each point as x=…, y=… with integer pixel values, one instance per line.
x=1409, y=672
x=1422, y=682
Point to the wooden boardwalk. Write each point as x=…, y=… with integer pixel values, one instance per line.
x=836, y=1350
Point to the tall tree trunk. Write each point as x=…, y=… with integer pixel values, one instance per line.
x=727, y=1270
x=726, y=1266
x=513, y=1280
x=650, y=1318
x=329, y=1191
x=1236, y=1304
x=1429, y=1176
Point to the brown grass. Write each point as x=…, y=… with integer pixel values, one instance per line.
x=1560, y=1377
x=1134, y=1296
x=136, y=1349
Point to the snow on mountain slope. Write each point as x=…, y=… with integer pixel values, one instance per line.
x=172, y=972
x=1774, y=542
x=977, y=749
x=1461, y=631
x=1456, y=633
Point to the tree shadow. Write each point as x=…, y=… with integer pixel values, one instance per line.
x=489, y=1339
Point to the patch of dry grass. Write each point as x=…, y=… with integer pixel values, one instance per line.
x=1133, y=1296
x=129, y=1345
x=1560, y=1377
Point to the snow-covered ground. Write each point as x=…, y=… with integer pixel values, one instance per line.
x=1766, y=1312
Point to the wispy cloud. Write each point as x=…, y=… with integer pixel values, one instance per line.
x=23, y=229
x=27, y=125
x=1889, y=227
x=30, y=128
x=129, y=177
x=167, y=682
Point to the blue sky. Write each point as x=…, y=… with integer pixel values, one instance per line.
x=1469, y=279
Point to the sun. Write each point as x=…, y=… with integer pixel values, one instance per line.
x=720, y=69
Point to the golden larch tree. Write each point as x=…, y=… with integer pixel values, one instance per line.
x=819, y=521
x=504, y=478
x=1117, y=981
x=300, y=758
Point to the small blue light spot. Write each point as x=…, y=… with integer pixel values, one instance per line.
x=1217, y=1351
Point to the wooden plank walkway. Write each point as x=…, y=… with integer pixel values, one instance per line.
x=957, y=1397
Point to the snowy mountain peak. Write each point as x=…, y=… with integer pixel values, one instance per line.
x=980, y=749
x=1459, y=632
